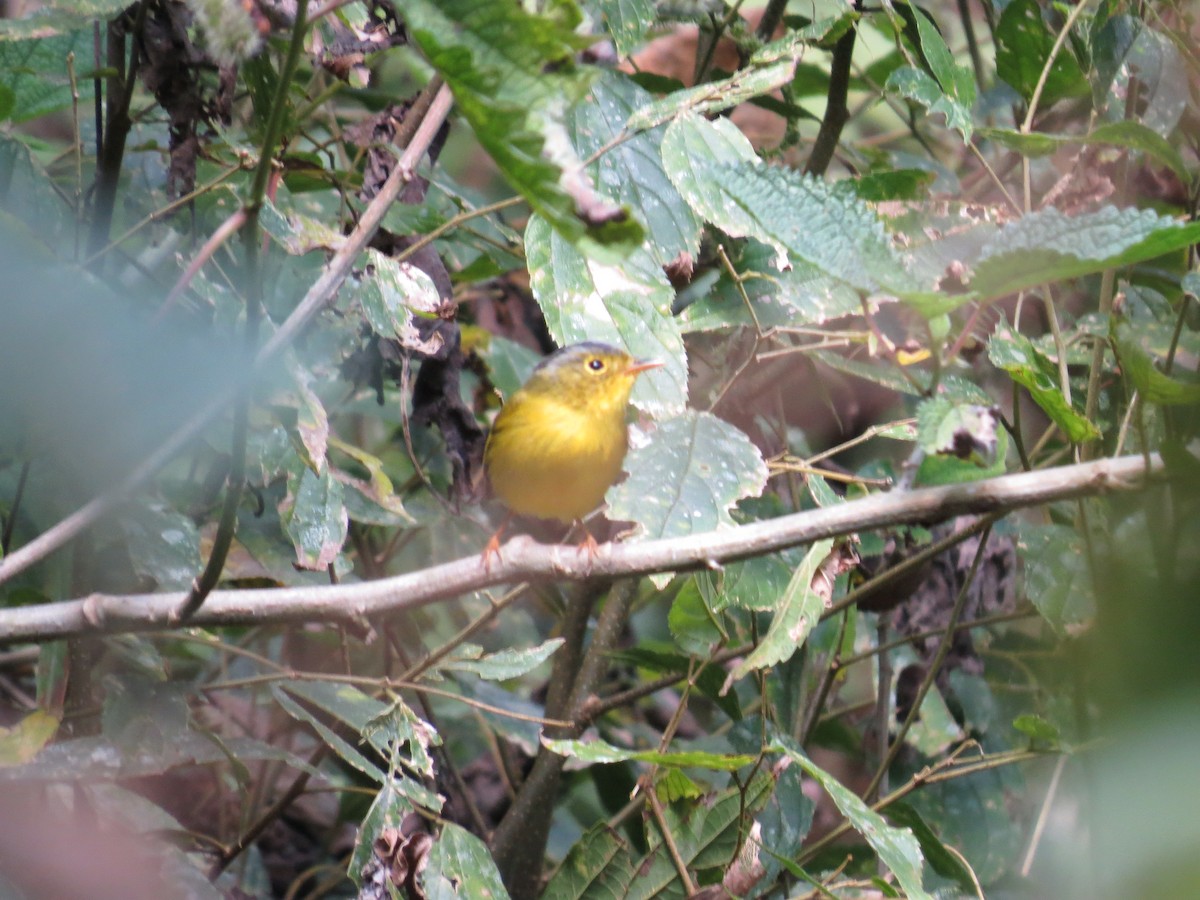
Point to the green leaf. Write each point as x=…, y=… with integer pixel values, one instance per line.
x=692, y=622
x=898, y=848
x=956, y=80
x=380, y=505
x=596, y=863
x=387, y=813
x=460, y=867
x=794, y=295
x=1127, y=48
x=948, y=469
x=315, y=517
x=687, y=478
x=34, y=217
x=346, y=703
x=805, y=219
x=296, y=233
x=1127, y=133
x=598, y=751
x=944, y=862
x=885, y=376
x=514, y=77
x=406, y=739
x=626, y=22
x=503, y=664
x=973, y=814
x=914, y=84
x=1015, y=354
x=756, y=79
x=692, y=143
x=894, y=184
x=672, y=785
x=796, y=615
x=963, y=441
x=1037, y=728
x=1047, y=246
x=1154, y=386
x=21, y=741
x=632, y=172
x=1057, y=580
x=391, y=293
x=312, y=422
x=710, y=681
x=627, y=304
x=953, y=92
x=88, y=760
x=34, y=72
x=756, y=583
x=332, y=739
x=164, y=545
x=706, y=833
x=1023, y=45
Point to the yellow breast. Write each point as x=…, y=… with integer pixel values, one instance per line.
x=552, y=460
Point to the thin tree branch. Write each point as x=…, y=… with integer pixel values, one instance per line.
x=235, y=484
x=524, y=560
x=943, y=650
x=837, y=111
x=519, y=844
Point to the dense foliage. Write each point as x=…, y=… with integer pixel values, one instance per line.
x=270, y=270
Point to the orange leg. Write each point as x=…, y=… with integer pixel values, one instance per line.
x=492, y=548
x=588, y=543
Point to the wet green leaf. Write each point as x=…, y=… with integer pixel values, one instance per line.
x=797, y=613
x=898, y=848
x=627, y=304
x=1015, y=354
x=1047, y=246
x=631, y=171
x=503, y=664
x=514, y=77
x=460, y=867
x=598, y=751
x=1023, y=45
x=315, y=517
x=687, y=477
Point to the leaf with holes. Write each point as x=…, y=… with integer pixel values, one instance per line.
x=687, y=478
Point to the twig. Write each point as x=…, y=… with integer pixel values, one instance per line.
x=274, y=811
x=1043, y=814
x=15, y=509
x=935, y=664
x=964, y=16
x=220, y=235
x=689, y=887
x=519, y=842
x=821, y=694
x=120, y=86
x=235, y=484
x=412, y=672
x=908, y=564
x=836, y=110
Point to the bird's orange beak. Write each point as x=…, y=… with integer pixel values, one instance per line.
x=643, y=365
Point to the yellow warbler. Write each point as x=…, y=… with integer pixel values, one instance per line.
x=558, y=443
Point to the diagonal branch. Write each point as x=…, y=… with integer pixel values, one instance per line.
x=524, y=560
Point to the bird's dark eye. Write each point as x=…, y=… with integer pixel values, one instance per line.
x=595, y=364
